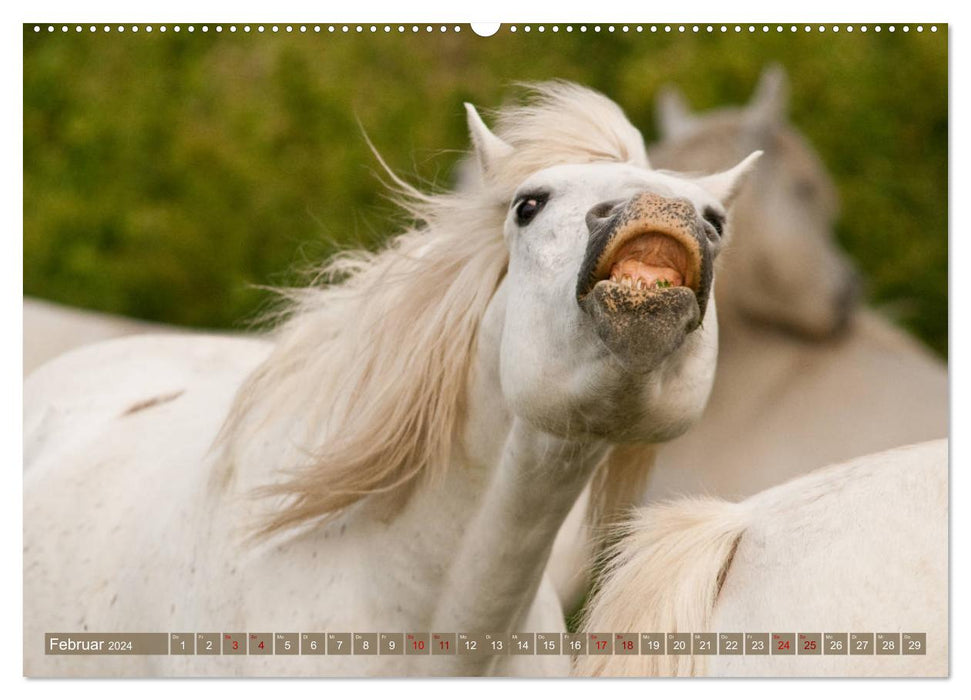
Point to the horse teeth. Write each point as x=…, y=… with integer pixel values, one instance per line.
x=640, y=284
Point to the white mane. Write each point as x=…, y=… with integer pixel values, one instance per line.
x=566, y=123
x=369, y=371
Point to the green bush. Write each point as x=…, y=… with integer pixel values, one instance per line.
x=165, y=175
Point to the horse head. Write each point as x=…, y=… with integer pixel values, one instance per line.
x=607, y=290
x=784, y=267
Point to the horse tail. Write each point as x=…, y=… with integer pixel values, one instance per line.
x=664, y=575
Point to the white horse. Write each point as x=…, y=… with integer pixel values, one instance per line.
x=805, y=377
x=52, y=329
x=859, y=547
x=401, y=455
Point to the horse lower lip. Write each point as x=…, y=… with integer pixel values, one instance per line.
x=637, y=291
x=641, y=327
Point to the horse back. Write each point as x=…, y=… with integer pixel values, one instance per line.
x=857, y=547
x=117, y=440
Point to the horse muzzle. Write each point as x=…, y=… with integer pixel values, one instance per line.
x=646, y=276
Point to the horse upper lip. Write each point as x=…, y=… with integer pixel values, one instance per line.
x=643, y=256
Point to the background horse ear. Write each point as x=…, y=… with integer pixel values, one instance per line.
x=488, y=147
x=673, y=114
x=727, y=184
x=769, y=105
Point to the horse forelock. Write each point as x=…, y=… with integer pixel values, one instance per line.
x=562, y=122
x=368, y=375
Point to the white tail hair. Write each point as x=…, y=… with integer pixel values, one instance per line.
x=364, y=389
x=664, y=576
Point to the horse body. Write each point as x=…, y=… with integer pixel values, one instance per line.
x=400, y=454
x=857, y=547
x=51, y=329
x=136, y=476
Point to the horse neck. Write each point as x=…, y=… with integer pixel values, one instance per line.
x=757, y=364
x=516, y=485
x=495, y=567
x=760, y=354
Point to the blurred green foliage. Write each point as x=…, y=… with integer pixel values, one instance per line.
x=167, y=174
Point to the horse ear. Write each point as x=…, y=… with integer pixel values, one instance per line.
x=673, y=114
x=727, y=184
x=770, y=103
x=488, y=147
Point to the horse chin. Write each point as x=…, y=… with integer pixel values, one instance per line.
x=641, y=329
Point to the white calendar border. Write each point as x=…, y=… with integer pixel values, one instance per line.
x=603, y=11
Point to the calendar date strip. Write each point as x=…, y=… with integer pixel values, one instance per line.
x=464, y=644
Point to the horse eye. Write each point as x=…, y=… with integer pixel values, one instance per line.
x=715, y=220
x=528, y=207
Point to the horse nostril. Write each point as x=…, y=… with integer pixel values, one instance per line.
x=599, y=213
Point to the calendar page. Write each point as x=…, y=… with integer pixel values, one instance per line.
x=519, y=350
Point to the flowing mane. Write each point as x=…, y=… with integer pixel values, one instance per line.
x=565, y=123
x=368, y=374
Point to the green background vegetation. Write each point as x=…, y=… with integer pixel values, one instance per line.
x=167, y=174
